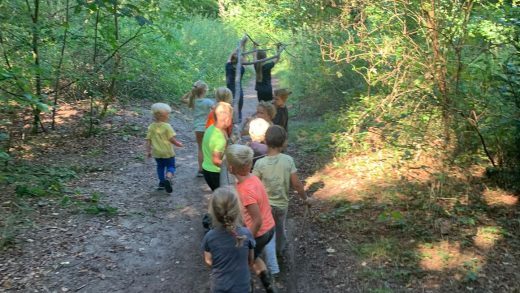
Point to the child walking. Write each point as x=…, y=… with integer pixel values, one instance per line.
x=264, y=110
x=228, y=248
x=201, y=107
x=255, y=208
x=214, y=144
x=282, y=115
x=222, y=94
x=278, y=172
x=257, y=129
x=159, y=139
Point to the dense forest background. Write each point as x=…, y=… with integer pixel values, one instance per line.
x=404, y=117
x=436, y=76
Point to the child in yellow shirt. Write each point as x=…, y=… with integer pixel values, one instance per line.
x=159, y=140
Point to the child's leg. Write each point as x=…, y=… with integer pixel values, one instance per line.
x=280, y=216
x=270, y=256
x=170, y=167
x=161, y=165
x=199, y=135
x=259, y=266
x=240, y=105
x=212, y=179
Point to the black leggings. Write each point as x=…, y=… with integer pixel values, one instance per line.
x=262, y=241
x=212, y=179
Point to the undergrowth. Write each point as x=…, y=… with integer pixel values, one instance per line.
x=410, y=220
x=30, y=187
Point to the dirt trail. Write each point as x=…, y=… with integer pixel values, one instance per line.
x=151, y=245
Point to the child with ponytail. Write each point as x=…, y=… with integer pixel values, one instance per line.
x=229, y=247
x=201, y=107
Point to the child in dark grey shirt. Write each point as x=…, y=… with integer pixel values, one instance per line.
x=228, y=248
x=282, y=115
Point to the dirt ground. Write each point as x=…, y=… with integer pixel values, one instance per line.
x=150, y=245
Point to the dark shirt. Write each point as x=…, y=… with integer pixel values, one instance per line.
x=282, y=117
x=230, y=78
x=264, y=87
x=230, y=268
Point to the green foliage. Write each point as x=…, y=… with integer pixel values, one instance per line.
x=165, y=66
x=92, y=205
x=311, y=138
x=393, y=217
x=95, y=207
x=156, y=51
x=341, y=209
x=376, y=69
x=7, y=232
x=36, y=181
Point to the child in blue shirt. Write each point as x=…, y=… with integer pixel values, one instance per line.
x=201, y=107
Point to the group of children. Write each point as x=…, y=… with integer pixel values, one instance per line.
x=259, y=199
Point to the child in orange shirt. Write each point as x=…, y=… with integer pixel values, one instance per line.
x=222, y=94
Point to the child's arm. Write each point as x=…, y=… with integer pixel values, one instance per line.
x=175, y=142
x=208, y=259
x=298, y=185
x=254, y=212
x=251, y=258
x=216, y=158
x=148, y=148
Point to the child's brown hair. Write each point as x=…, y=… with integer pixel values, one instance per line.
x=269, y=108
x=282, y=93
x=275, y=136
x=223, y=94
x=198, y=90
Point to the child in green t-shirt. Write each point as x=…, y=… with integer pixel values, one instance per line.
x=278, y=172
x=159, y=140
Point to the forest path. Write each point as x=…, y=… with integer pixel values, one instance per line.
x=152, y=243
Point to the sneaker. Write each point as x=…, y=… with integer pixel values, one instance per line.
x=168, y=185
x=161, y=186
x=199, y=174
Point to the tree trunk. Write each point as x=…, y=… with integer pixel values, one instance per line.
x=117, y=60
x=440, y=73
x=95, y=38
x=36, y=56
x=58, y=70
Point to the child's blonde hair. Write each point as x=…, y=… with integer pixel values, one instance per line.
x=158, y=108
x=223, y=108
x=240, y=157
x=223, y=94
x=224, y=208
x=198, y=90
x=269, y=108
x=257, y=129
